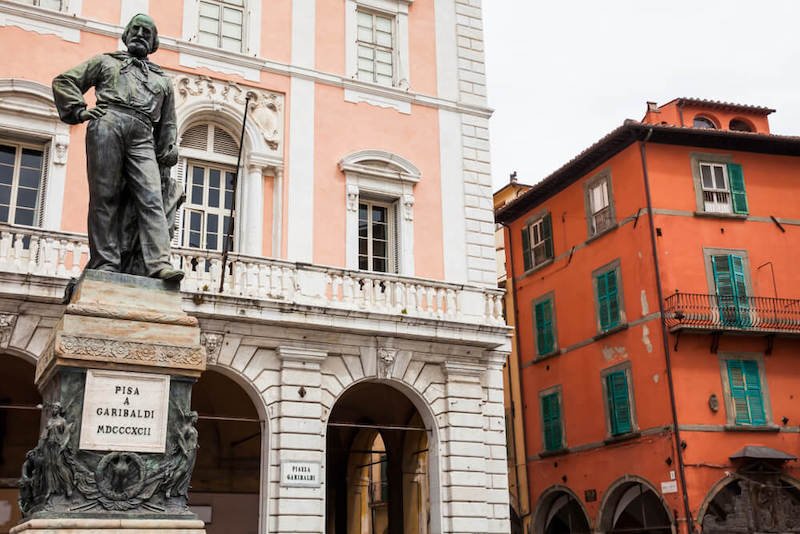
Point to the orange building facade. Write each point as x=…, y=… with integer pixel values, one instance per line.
x=657, y=314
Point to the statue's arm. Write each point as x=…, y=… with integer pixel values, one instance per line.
x=167, y=131
x=69, y=87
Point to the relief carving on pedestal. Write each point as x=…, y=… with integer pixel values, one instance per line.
x=114, y=349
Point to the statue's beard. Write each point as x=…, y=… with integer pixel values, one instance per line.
x=138, y=48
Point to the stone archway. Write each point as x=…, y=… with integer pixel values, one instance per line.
x=632, y=505
x=738, y=505
x=226, y=484
x=560, y=512
x=377, y=463
x=19, y=430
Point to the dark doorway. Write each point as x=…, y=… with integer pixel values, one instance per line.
x=377, y=464
x=20, y=414
x=227, y=476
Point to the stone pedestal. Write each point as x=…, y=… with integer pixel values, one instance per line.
x=118, y=442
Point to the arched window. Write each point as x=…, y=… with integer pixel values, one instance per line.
x=208, y=170
x=704, y=122
x=739, y=125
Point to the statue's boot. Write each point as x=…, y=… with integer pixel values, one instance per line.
x=170, y=275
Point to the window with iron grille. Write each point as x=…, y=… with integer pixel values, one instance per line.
x=599, y=205
x=723, y=188
x=376, y=237
x=23, y=169
x=221, y=24
x=375, y=47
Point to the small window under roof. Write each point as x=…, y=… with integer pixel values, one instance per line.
x=738, y=125
x=704, y=122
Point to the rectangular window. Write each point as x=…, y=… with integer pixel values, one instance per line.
x=552, y=427
x=537, y=242
x=731, y=289
x=545, y=326
x=22, y=172
x=376, y=237
x=747, y=399
x=618, y=402
x=608, y=299
x=599, y=205
x=209, y=199
x=375, y=44
x=56, y=5
x=221, y=24
x=723, y=188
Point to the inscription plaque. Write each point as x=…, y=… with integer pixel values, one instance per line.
x=125, y=412
x=300, y=474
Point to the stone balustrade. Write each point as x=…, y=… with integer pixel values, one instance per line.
x=46, y=253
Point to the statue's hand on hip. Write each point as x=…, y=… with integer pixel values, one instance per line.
x=93, y=113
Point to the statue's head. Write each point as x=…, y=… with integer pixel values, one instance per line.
x=141, y=36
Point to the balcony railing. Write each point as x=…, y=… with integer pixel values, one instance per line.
x=45, y=253
x=727, y=313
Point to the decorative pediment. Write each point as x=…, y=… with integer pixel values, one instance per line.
x=199, y=94
x=381, y=164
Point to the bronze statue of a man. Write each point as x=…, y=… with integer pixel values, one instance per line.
x=130, y=145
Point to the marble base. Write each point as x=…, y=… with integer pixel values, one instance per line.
x=124, y=322
x=109, y=526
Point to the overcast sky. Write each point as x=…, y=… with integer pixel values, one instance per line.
x=563, y=73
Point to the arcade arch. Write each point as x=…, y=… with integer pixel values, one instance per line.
x=379, y=463
x=227, y=482
x=20, y=408
x=560, y=512
x=632, y=505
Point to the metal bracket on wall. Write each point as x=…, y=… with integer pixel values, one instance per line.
x=677, y=340
x=770, y=344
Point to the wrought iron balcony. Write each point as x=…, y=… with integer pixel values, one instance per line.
x=48, y=256
x=715, y=313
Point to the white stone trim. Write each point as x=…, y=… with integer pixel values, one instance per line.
x=446, y=50
x=454, y=245
x=129, y=8
x=187, y=59
x=27, y=108
x=394, y=183
x=251, y=26
x=32, y=19
x=356, y=96
x=300, y=230
x=304, y=33
x=398, y=9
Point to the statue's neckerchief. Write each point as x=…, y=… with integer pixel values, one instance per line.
x=130, y=61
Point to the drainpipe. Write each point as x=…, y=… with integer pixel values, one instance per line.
x=513, y=279
x=665, y=335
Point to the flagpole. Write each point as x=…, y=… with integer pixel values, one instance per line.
x=229, y=232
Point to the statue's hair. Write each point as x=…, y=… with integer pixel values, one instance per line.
x=150, y=21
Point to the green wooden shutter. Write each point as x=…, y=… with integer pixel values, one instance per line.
x=619, y=409
x=736, y=179
x=526, y=249
x=755, y=398
x=608, y=300
x=544, y=327
x=731, y=289
x=551, y=422
x=547, y=236
x=738, y=392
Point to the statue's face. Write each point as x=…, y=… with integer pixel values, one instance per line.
x=140, y=37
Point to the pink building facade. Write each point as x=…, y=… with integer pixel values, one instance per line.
x=359, y=305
